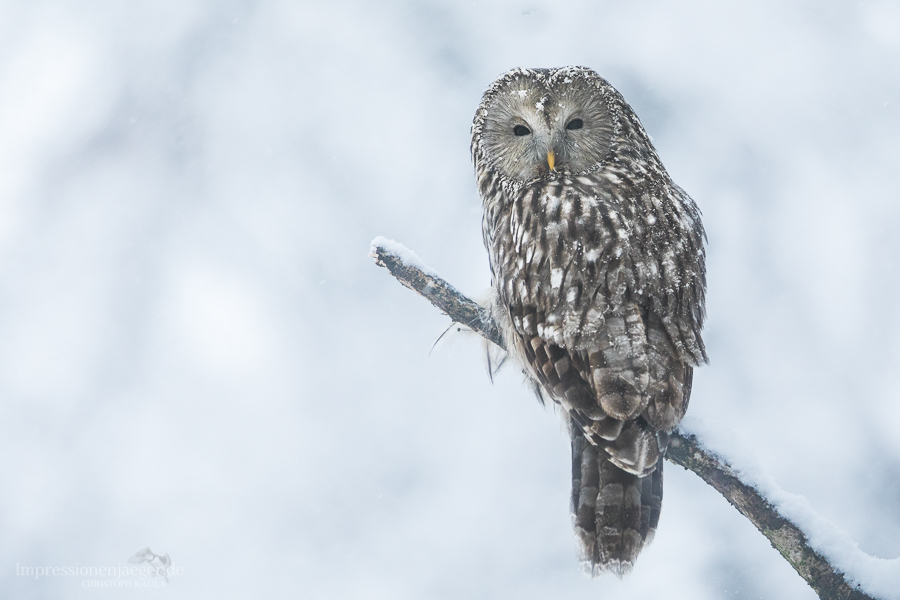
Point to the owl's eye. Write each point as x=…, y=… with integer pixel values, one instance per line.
x=521, y=130
x=575, y=124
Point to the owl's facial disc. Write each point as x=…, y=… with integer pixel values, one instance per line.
x=539, y=123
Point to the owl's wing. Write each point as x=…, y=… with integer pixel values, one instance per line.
x=635, y=370
x=669, y=389
x=639, y=383
x=616, y=462
x=602, y=389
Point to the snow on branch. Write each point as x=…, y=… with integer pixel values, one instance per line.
x=830, y=562
x=408, y=268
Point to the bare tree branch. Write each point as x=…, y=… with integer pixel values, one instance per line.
x=684, y=450
x=437, y=291
x=787, y=538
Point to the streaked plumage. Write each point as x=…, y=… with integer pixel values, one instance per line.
x=598, y=282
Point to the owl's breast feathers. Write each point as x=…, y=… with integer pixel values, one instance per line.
x=602, y=280
x=582, y=249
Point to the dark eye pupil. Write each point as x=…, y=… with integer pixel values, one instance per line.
x=575, y=124
x=521, y=130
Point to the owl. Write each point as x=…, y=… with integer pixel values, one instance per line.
x=598, y=284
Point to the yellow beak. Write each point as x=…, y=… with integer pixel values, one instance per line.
x=551, y=160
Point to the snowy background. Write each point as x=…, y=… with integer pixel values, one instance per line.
x=197, y=355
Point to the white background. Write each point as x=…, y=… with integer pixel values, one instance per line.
x=197, y=355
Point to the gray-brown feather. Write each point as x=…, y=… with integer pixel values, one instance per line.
x=614, y=513
x=599, y=280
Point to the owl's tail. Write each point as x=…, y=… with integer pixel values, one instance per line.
x=614, y=512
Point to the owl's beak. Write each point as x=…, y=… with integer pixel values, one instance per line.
x=551, y=160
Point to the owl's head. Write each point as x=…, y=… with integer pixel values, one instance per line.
x=537, y=123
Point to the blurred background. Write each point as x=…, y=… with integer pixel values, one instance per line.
x=196, y=354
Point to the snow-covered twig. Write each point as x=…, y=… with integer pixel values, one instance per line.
x=822, y=574
x=786, y=537
x=408, y=268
